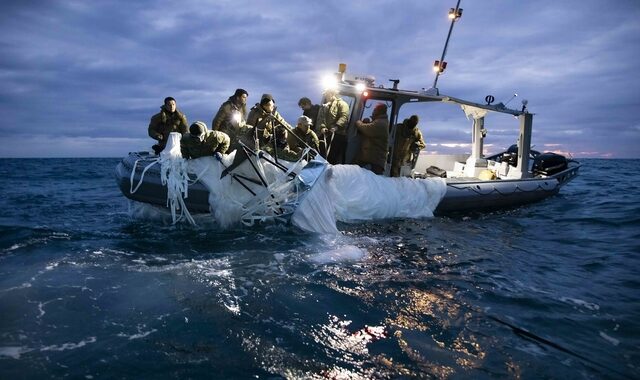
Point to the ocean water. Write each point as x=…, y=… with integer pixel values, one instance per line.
x=94, y=287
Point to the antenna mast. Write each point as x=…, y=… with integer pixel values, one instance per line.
x=439, y=66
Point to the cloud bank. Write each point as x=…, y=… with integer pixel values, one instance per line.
x=83, y=78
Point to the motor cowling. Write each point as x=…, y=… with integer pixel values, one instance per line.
x=549, y=163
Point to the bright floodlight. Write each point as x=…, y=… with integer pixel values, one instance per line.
x=455, y=13
x=330, y=82
x=360, y=87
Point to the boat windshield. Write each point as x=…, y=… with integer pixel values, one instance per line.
x=351, y=101
x=447, y=130
x=370, y=103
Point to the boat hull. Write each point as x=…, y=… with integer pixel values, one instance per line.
x=151, y=189
x=466, y=196
x=461, y=195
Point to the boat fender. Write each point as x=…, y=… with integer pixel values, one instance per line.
x=487, y=175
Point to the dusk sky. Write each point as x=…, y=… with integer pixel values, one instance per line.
x=82, y=78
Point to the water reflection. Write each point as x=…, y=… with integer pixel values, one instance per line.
x=348, y=347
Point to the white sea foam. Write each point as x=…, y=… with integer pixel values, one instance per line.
x=609, y=339
x=69, y=346
x=139, y=335
x=22, y=286
x=579, y=302
x=13, y=351
x=345, y=253
x=15, y=246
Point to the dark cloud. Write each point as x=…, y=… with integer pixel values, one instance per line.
x=89, y=75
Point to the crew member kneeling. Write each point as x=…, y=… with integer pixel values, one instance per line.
x=200, y=142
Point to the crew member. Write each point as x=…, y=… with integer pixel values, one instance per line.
x=375, y=138
x=332, y=124
x=309, y=110
x=231, y=117
x=168, y=120
x=264, y=118
x=302, y=135
x=200, y=142
x=277, y=145
x=408, y=144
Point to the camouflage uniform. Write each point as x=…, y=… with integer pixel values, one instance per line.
x=334, y=114
x=408, y=140
x=224, y=121
x=310, y=138
x=284, y=153
x=214, y=141
x=264, y=123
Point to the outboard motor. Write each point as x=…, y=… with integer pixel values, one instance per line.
x=511, y=155
x=549, y=163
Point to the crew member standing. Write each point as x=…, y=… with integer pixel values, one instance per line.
x=375, y=138
x=332, y=124
x=408, y=144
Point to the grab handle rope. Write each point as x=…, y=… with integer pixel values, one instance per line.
x=133, y=173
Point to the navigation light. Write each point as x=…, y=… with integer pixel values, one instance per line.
x=455, y=13
x=439, y=67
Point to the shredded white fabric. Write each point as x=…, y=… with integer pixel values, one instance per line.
x=230, y=198
x=349, y=193
x=173, y=174
x=344, y=193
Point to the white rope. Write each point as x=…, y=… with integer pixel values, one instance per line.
x=133, y=172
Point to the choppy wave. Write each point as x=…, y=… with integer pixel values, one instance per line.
x=548, y=290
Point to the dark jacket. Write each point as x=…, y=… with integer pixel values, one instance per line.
x=375, y=138
x=214, y=141
x=223, y=121
x=312, y=113
x=264, y=123
x=164, y=122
